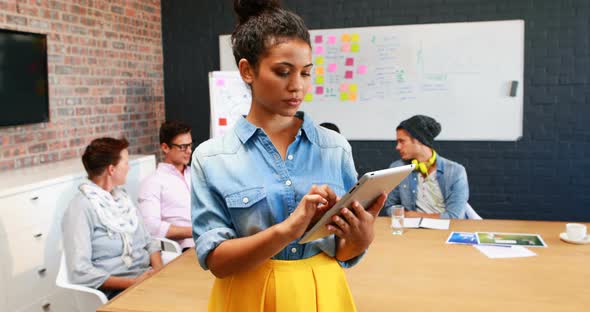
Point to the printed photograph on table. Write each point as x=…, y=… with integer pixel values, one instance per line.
x=510, y=239
x=462, y=238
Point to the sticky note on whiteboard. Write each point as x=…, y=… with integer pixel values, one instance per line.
x=345, y=47
x=362, y=69
x=332, y=67
x=319, y=49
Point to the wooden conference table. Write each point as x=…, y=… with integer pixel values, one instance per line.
x=416, y=272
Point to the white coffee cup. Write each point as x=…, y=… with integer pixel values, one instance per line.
x=575, y=231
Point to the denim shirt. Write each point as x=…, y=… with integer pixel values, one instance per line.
x=241, y=185
x=452, y=180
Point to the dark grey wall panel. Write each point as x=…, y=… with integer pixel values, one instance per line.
x=540, y=177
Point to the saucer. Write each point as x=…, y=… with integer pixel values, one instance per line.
x=584, y=241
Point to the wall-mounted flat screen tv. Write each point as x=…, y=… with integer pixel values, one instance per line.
x=24, y=95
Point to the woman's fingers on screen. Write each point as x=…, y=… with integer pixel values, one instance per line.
x=313, y=200
x=331, y=196
x=313, y=189
x=325, y=191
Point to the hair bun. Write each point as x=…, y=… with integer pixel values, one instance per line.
x=248, y=8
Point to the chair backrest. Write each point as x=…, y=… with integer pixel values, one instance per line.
x=85, y=298
x=90, y=299
x=471, y=214
x=169, y=245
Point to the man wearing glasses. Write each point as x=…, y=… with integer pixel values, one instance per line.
x=164, y=197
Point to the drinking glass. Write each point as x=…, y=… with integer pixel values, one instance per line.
x=397, y=219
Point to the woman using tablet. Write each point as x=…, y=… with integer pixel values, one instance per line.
x=257, y=189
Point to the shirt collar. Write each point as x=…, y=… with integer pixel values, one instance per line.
x=309, y=128
x=245, y=130
x=170, y=168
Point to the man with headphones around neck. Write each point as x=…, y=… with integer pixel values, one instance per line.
x=438, y=188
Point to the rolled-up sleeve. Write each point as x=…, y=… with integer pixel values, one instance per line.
x=77, y=228
x=211, y=223
x=150, y=207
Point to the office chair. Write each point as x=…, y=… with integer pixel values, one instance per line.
x=89, y=299
x=471, y=214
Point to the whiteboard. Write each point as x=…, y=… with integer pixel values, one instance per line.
x=230, y=100
x=366, y=80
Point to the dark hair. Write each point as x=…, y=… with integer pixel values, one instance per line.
x=261, y=25
x=331, y=126
x=101, y=153
x=170, y=129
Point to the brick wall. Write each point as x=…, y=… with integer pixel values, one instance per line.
x=541, y=176
x=105, y=77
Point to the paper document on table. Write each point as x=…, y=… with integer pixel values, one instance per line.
x=427, y=223
x=499, y=252
x=412, y=223
x=437, y=224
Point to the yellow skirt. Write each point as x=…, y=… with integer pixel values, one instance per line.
x=313, y=284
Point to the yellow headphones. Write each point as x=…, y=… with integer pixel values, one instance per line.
x=423, y=166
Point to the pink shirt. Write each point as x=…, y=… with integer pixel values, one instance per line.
x=165, y=199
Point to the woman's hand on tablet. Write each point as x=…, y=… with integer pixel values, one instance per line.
x=354, y=228
x=326, y=192
x=311, y=207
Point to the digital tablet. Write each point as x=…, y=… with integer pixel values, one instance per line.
x=365, y=191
